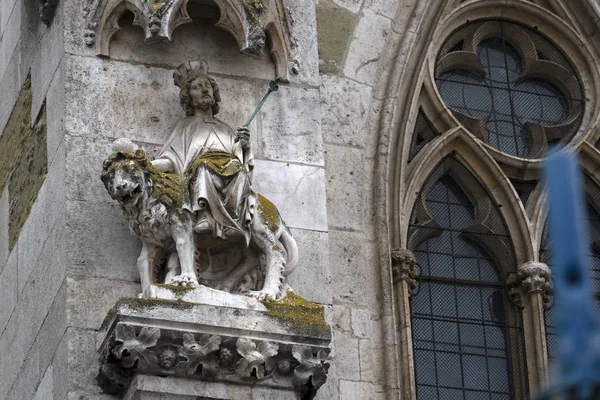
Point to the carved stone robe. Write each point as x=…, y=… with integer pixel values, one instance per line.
x=219, y=172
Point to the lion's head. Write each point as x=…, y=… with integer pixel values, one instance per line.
x=124, y=174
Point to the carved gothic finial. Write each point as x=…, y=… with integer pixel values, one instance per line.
x=404, y=266
x=531, y=277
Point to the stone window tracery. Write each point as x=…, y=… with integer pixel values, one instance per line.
x=510, y=87
x=467, y=335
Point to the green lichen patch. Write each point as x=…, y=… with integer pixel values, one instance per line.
x=15, y=132
x=267, y=212
x=27, y=177
x=254, y=8
x=144, y=304
x=334, y=31
x=177, y=290
x=157, y=6
x=302, y=315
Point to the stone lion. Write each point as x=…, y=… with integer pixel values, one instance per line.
x=152, y=204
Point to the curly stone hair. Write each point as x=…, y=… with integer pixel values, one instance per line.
x=186, y=100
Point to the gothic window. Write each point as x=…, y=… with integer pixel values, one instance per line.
x=467, y=335
x=422, y=134
x=510, y=87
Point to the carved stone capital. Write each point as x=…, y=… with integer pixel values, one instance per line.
x=47, y=8
x=531, y=277
x=200, y=342
x=404, y=266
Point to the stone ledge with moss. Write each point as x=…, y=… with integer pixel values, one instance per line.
x=176, y=346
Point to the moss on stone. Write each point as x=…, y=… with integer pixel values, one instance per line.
x=15, y=132
x=254, y=8
x=177, y=290
x=27, y=177
x=169, y=189
x=334, y=30
x=267, y=212
x=156, y=6
x=143, y=304
x=303, y=316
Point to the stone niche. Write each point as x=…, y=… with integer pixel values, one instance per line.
x=255, y=350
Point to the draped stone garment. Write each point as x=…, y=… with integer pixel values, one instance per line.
x=219, y=170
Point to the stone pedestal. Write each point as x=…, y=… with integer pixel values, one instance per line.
x=188, y=350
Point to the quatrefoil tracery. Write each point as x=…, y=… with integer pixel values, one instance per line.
x=510, y=87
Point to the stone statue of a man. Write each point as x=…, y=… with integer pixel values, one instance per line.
x=217, y=160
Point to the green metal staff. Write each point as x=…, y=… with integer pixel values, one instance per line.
x=273, y=87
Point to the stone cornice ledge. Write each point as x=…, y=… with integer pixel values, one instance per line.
x=147, y=340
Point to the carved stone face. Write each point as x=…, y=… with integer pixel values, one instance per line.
x=201, y=92
x=124, y=181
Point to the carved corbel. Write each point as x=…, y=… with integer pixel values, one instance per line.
x=404, y=267
x=530, y=278
x=252, y=23
x=47, y=8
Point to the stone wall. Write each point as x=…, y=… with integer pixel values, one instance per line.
x=32, y=205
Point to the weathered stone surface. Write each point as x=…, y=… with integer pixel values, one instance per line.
x=385, y=7
x=361, y=323
x=60, y=369
x=341, y=318
x=115, y=249
x=346, y=105
x=90, y=299
x=22, y=387
x=10, y=87
x=349, y=277
x=301, y=15
x=8, y=289
x=205, y=295
x=334, y=27
x=193, y=39
x=6, y=8
x=298, y=191
x=291, y=127
x=45, y=389
x=312, y=277
x=369, y=38
x=55, y=103
x=149, y=387
x=10, y=36
x=345, y=187
x=350, y=5
x=27, y=177
x=346, y=359
x=4, y=209
x=83, y=362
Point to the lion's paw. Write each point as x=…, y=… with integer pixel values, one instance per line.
x=185, y=280
x=263, y=294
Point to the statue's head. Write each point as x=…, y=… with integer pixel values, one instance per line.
x=198, y=90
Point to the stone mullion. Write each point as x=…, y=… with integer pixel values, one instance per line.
x=404, y=272
x=529, y=287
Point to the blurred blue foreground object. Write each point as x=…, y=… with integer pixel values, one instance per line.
x=578, y=362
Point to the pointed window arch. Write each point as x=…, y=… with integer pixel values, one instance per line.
x=467, y=335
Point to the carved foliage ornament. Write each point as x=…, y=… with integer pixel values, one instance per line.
x=404, y=266
x=251, y=22
x=230, y=359
x=531, y=277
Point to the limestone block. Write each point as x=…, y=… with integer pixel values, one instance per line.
x=312, y=277
x=4, y=207
x=32, y=30
x=6, y=9
x=351, y=5
x=25, y=384
x=349, y=390
x=53, y=329
x=45, y=389
x=346, y=359
x=212, y=43
x=10, y=39
x=304, y=41
x=102, y=93
x=349, y=274
x=60, y=370
x=45, y=62
x=104, y=248
x=369, y=39
x=298, y=191
x=291, y=127
x=345, y=105
x=330, y=390
x=83, y=362
x=91, y=298
x=147, y=387
x=385, y=7
x=48, y=209
x=334, y=27
x=55, y=106
x=345, y=187
x=341, y=318
x=361, y=323
x=10, y=86
x=205, y=295
x=8, y=289
x=261, y=393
